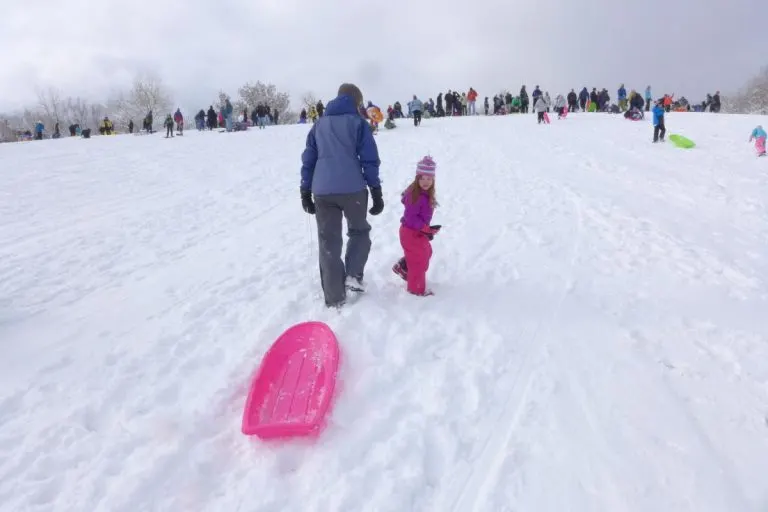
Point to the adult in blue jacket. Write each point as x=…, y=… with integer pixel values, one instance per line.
x=416, y=107
x=339, y=164
x=658, y=122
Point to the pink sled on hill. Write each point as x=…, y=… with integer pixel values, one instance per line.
x=293, y=389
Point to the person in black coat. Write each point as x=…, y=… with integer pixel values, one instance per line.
x=572, y=101
x=213, y=120
x=583, y=97
x=523, y=100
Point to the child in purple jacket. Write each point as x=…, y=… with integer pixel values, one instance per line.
x=415, y=230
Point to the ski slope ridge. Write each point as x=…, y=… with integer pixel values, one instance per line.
x=597, y=340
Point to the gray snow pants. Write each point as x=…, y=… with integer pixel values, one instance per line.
x=334, y=271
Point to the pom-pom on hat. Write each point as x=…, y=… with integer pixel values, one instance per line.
x=426, y=167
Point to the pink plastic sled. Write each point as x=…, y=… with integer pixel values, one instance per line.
x=546, y=117
x=293, y=389
x=564, y=114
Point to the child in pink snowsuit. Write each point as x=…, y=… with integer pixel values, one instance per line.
x=759, y=135
x=415, y=230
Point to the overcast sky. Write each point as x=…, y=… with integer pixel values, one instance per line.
x=391, y=49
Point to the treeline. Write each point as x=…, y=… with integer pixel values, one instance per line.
x=146, y=93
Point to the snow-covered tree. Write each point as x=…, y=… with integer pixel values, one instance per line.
x=252, y=95
x=50, y=104
x=753, y=97
x=308, y=100
x=76, y=111
x=147, y=93
x=222, y=101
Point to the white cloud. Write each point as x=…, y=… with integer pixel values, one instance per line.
x=391, y=49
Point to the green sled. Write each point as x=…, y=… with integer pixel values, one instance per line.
x=681, y=142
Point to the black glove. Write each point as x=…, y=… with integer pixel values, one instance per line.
x=431, y=231
x=378, y=201
x=306, y=201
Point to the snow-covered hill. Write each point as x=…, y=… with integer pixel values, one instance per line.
x=598, y=340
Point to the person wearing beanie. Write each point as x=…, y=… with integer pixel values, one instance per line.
x=759, y=136
x=339, y=164
x=416, y=232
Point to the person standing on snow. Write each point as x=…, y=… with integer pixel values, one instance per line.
x=416, y=107
x=559, y=105
x=523, y=100
x=340, y=160
x=415, y=229
x=583, y=99
x=648, y=98
x=758, y=135
x=179, y=119
x=573, y=101
x=168, y=126
x=227, y=114
x=536, y=95
x=540, y=107
x=658, y=122
x=471, y=99
x=261, y=115
x=622, y=93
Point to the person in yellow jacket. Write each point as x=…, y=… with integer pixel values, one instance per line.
x=106, y=127
x=312, y=114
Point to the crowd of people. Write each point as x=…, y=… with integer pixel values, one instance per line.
x=340, y=184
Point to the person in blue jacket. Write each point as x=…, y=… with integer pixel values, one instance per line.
x=658, y=122
x=648, y=98
x=622, y=93
x=416, y=107
x=39, y=128
x=339, y=163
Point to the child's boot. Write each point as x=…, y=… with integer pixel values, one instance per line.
x=401, y=269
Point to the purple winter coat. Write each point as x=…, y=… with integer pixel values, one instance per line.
x=417, y=215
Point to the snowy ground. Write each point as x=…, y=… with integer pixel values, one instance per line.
x=598, y=341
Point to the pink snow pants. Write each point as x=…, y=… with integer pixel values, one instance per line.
x=760, y=145
x=418, y=252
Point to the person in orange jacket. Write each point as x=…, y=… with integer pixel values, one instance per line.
x=668, y=102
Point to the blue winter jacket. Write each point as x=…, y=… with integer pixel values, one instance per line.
x=758, y=132
x=658, y=115
x=341, y=156
x=416, y=105
x=622, y=93
x=648, y=93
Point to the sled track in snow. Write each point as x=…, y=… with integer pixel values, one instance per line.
x=474, y=481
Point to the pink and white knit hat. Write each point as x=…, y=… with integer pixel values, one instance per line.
x=426, y=167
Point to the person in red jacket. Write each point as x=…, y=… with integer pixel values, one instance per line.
x=471, y=98
x=179, y=119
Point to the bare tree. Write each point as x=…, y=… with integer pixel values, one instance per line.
x=77, y=111
x=50, y=103
x=147, y=94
